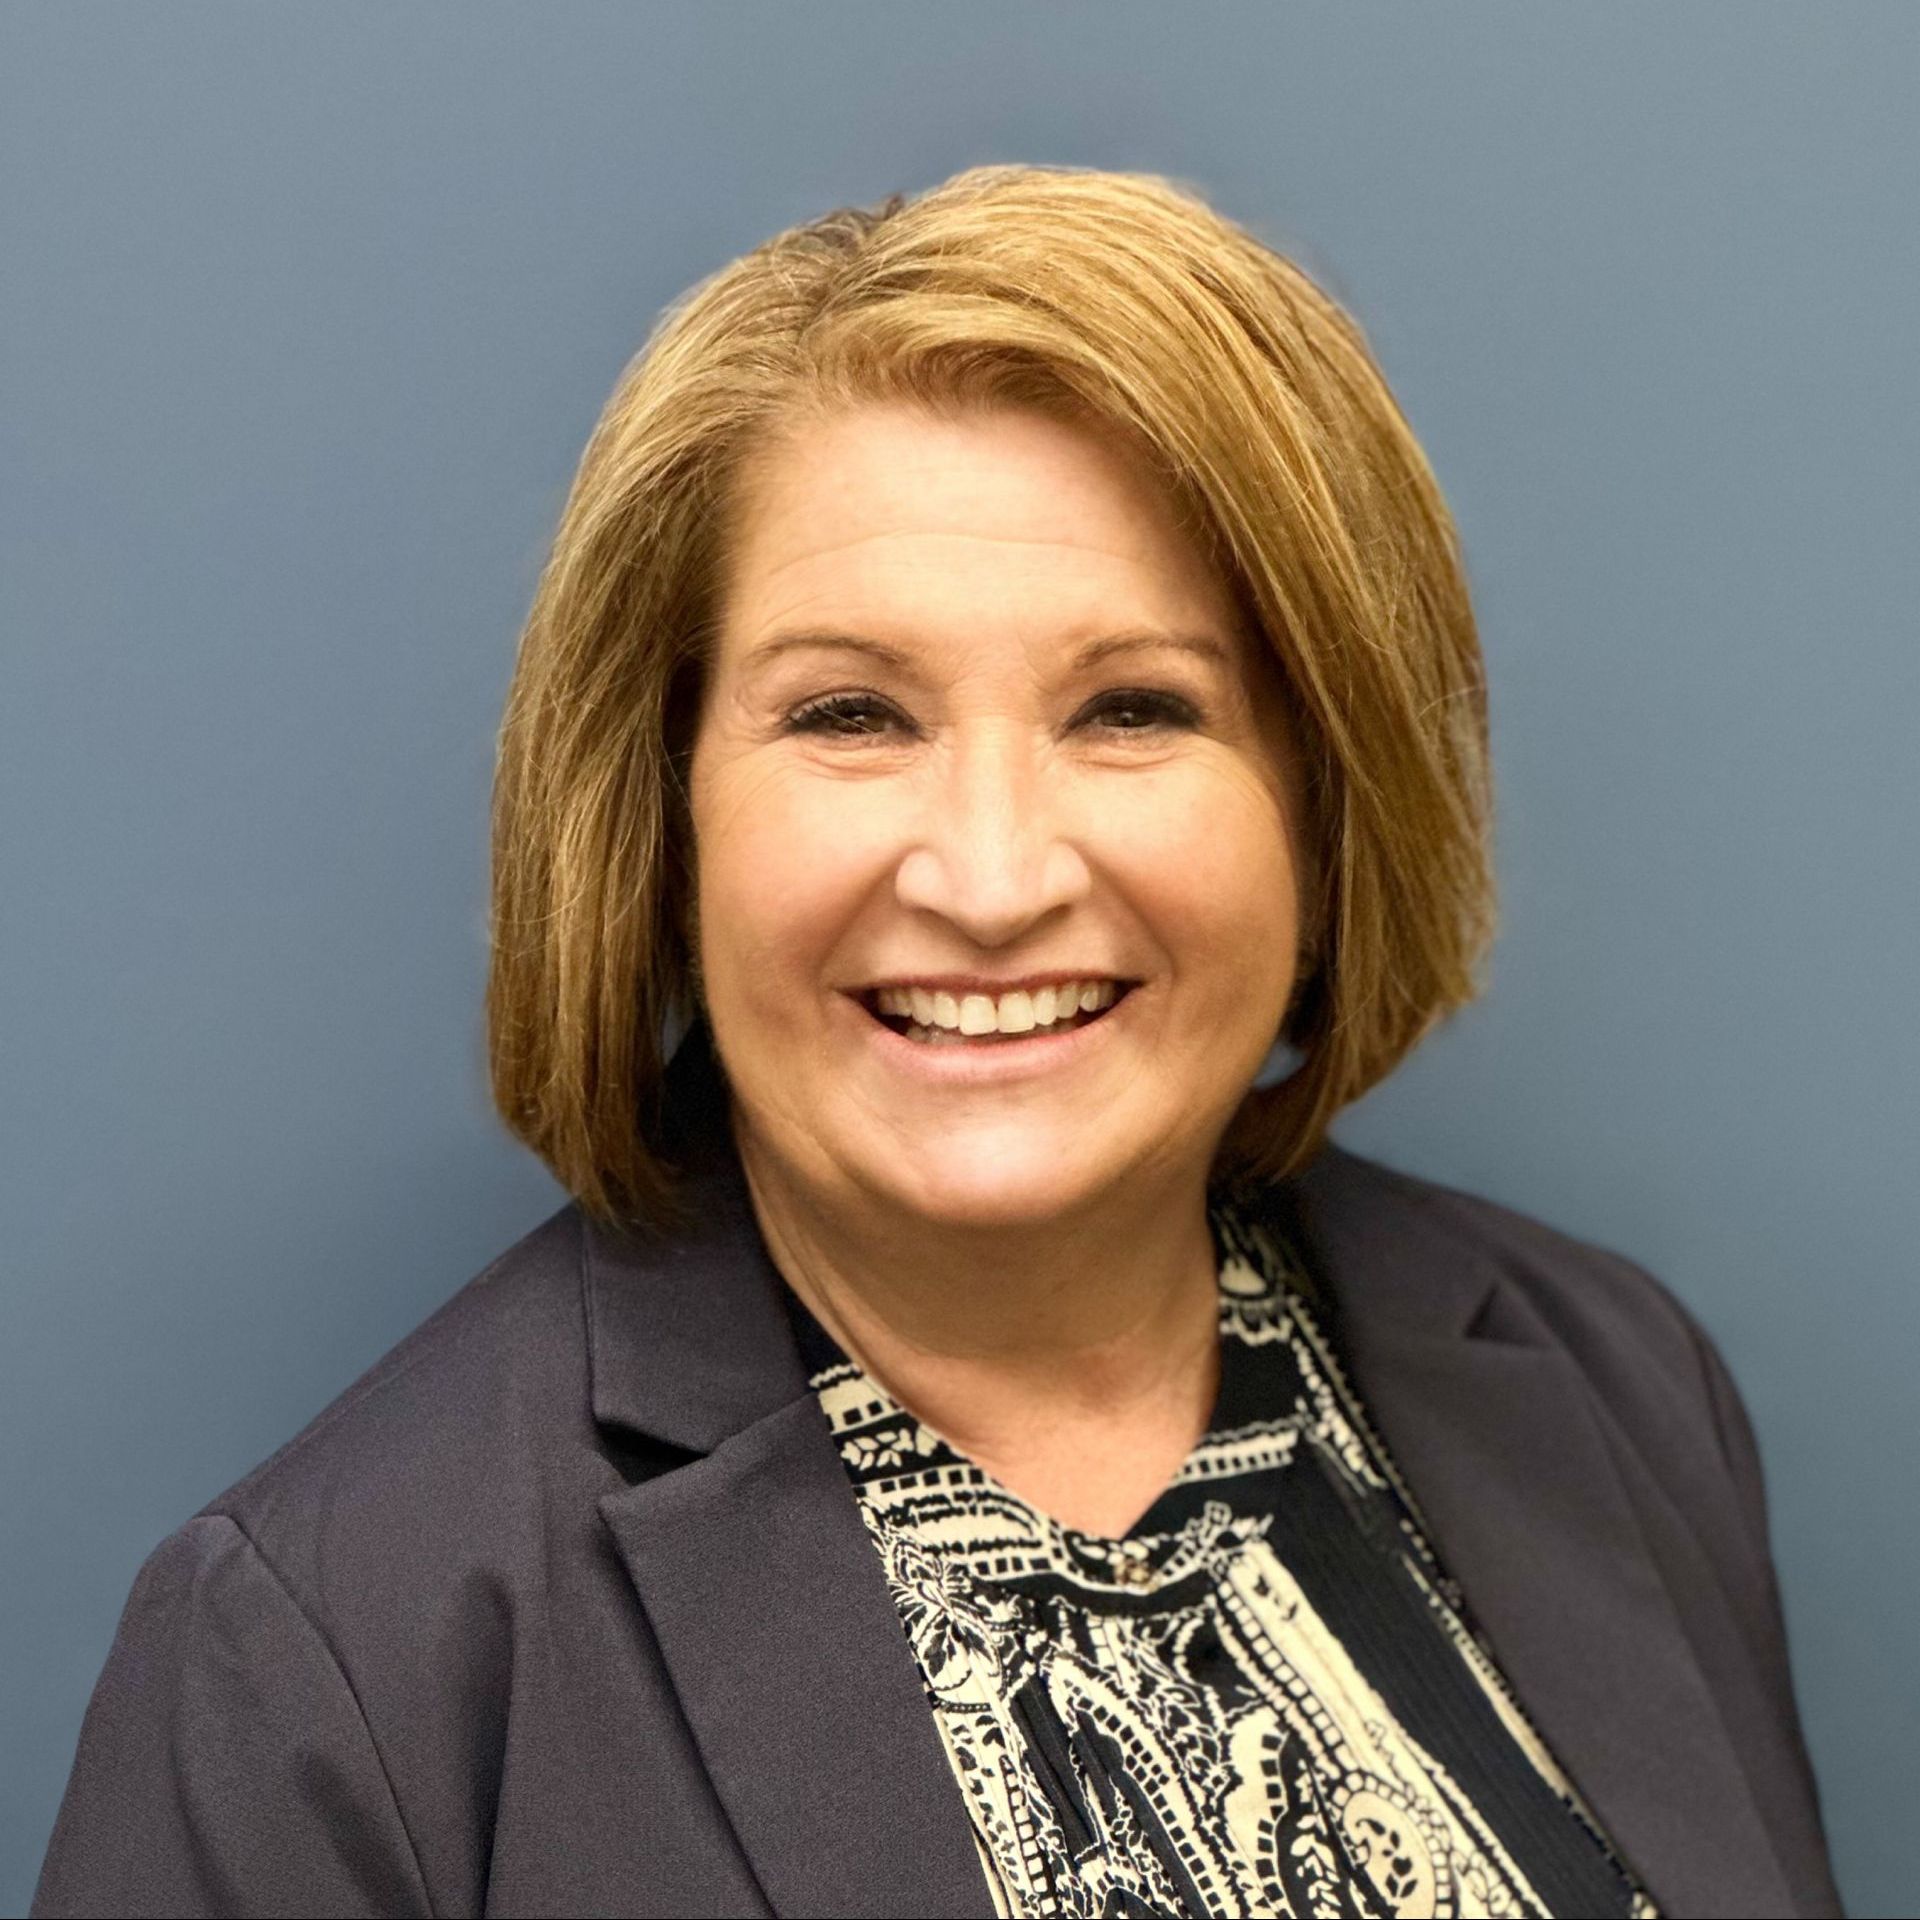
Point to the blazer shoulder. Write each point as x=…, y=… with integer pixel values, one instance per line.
x=447, y=1444
x=345, y=1613
x=1594, y=1300
x=1653, y=1369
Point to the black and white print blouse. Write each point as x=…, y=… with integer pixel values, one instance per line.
x=1265, y=1698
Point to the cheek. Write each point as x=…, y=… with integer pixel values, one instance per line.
x=1208, y=856
x=780, y=868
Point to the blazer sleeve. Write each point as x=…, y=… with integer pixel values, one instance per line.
x=1742, y=1453
x=224, y=1766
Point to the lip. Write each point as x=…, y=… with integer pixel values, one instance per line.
x=1006, y=1061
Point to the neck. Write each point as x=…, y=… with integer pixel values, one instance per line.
x=1034, y=1349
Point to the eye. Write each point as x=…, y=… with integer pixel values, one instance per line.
x=845, y=716
x=1143, y=709
x=866, y=716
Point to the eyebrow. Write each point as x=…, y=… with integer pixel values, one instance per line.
x=1144, y=640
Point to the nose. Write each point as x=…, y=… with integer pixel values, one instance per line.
x=988, y=853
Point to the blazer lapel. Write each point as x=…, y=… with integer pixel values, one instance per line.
x=756, y=1574
x=1503, y=1447
x=767, y=1599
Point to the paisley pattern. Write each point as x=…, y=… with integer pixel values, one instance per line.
x=1264, y=1699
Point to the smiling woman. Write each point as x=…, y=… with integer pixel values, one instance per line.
x=967, y=1448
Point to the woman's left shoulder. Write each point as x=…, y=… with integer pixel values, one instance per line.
x=1400, y=1256
x=1518, y=1278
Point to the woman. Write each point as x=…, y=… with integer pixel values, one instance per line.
x=968, y=1448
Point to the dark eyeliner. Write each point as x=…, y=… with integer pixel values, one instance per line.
x=830, y=714
x=1169, y=708
x=816, y=716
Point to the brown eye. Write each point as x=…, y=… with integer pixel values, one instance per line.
x=847, y=716
x=1142, y=709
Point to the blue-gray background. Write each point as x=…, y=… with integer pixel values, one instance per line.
x=307, y=314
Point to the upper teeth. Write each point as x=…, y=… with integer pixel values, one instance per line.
x=1010, y=1013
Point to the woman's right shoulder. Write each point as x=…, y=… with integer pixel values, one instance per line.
x=346, y=1602
x=445, y=1461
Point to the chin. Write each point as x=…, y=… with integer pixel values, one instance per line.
x=1011, y=1188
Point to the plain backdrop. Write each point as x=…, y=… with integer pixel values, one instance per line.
x=307, y=313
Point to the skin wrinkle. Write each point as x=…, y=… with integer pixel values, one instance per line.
x=1027, y=1267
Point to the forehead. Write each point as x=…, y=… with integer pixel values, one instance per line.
x=898, y=511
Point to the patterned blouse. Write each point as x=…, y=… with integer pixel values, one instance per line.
x=1266, y=1698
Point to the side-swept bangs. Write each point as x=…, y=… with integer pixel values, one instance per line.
x=1121, y=299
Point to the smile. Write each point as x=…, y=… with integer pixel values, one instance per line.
x=935, y=1018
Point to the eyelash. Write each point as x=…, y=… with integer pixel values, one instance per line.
x=818, y=716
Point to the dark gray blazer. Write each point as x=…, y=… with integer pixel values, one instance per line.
x=565, y=1607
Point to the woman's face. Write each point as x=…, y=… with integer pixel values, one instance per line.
x=980, y=719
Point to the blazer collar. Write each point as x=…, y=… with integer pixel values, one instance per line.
x=770, y=1609
x=688, y=1338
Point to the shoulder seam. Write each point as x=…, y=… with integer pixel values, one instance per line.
x=333, y=1659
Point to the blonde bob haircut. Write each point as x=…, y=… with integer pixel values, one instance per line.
x=1120, y=300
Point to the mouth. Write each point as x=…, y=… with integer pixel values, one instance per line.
x=1027, y=1026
